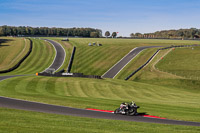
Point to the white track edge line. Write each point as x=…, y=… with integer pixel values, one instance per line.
x=118, y=62
x=127, y=63
x=54, y=57
x=64, y=56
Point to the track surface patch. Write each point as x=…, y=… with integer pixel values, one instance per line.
x=109, y=111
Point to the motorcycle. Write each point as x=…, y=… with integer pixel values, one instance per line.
x=127, y=109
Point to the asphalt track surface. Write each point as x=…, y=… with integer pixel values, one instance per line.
x=54, y=109
x=7, y=77
x=12, y=103
x=60, y=55
x=113, y=71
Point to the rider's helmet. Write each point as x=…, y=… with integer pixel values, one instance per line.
x=133, y=103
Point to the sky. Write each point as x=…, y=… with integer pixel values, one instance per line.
x=123, y=16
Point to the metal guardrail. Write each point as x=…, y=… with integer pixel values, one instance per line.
x=71, y=60
x=69, y=75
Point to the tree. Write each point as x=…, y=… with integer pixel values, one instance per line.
x=94, y=34
x=114, y=34
x=132, y=35
x=138, y=34
x=107, y=34
x=1, y=31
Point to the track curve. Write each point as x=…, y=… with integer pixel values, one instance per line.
x=47, y=108
x=114, y=70
x=55, y=109
x=60, y=55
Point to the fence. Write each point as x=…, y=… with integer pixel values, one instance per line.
x=70, y=75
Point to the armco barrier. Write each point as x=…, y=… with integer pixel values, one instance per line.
x=70, y=75
x=71, y=60
x=133, y=73
x=20, y=62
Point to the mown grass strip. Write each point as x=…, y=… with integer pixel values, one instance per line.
x=26, y=121
x=41, y=57
x=183, y=62
x=21, y=60
x=94, y=60
x=108, y=94
x=13, y=50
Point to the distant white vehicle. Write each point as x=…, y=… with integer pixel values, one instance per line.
x=65, y=39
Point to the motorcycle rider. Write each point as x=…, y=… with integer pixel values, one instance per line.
x=127, y=109
x=124, y=107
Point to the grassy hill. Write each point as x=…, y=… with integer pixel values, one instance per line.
x=40, y=58
x=180, y=63
x=183, y=62
x=94, y=60
x=156, y=89
x=165, y=100
x=12, y=50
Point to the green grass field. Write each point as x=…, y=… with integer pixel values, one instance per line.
x=183, y=62
x=155, y=88
x=150, y=71
x=12, y=50
x=40, y=58
x=161, y=100
x=24, y=121
x=94, y=60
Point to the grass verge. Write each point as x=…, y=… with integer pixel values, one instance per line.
x=25, y=121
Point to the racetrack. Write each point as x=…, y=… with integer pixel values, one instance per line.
x=114, y=70
x=6, y=77
x=60, y=55
x=47, y=108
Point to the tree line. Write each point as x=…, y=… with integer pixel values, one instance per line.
x=191, y=33
x=46, y=31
